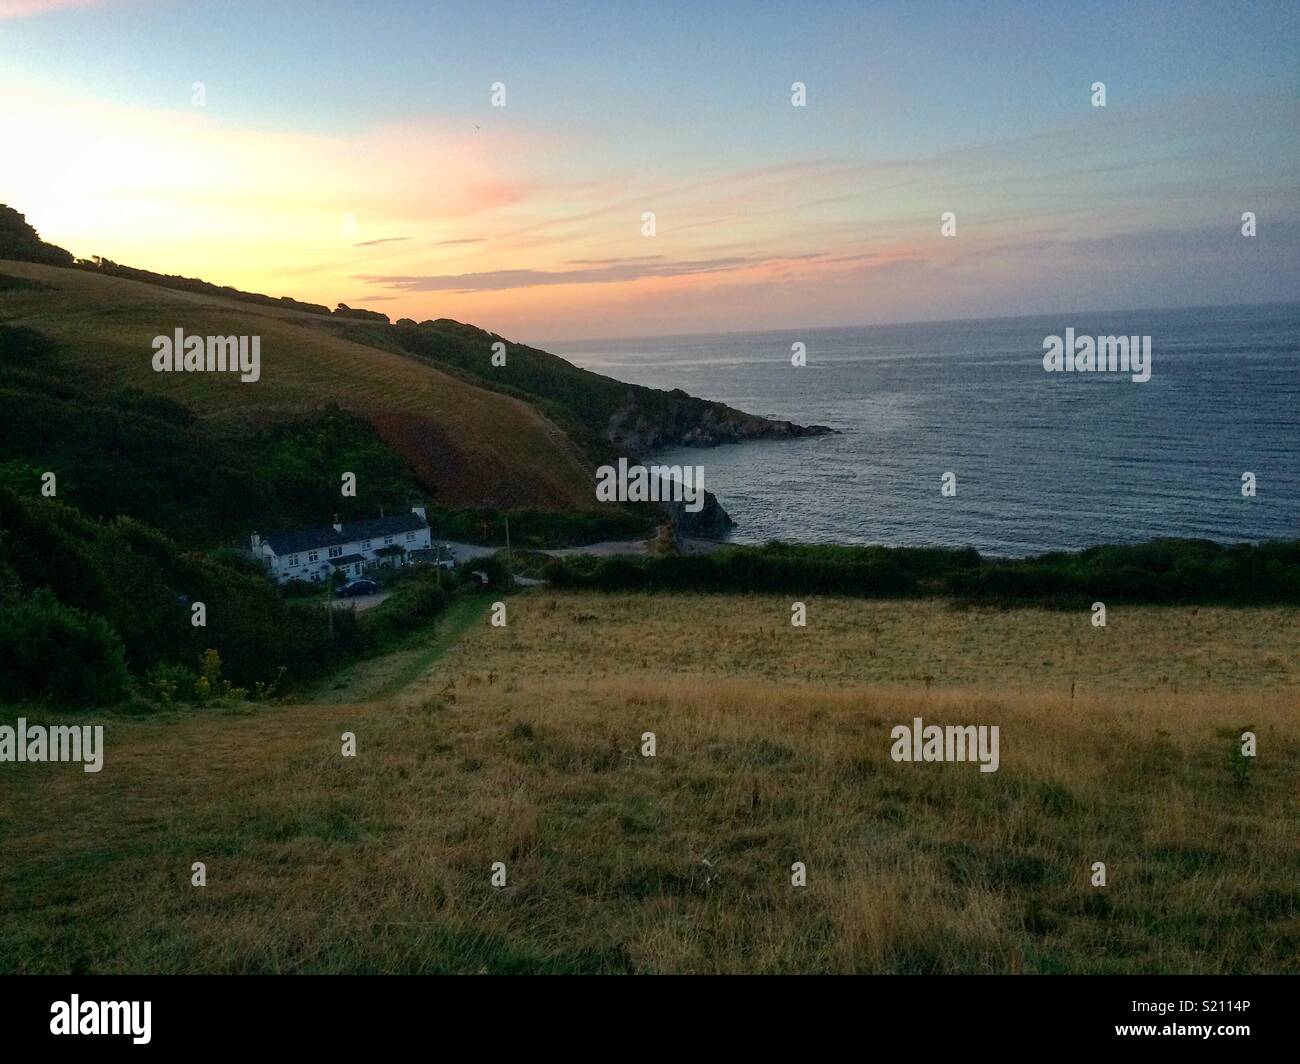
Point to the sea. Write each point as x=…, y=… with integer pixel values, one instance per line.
x=1040, y=461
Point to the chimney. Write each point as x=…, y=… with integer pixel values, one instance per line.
x=338, y=526
x=419, y=512
x=256, y=542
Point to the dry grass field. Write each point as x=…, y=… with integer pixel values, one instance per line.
x=474, y=447
x=522, y=745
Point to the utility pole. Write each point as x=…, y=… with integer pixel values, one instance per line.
x=510, y=578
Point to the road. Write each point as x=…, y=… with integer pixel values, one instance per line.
x=464, y=552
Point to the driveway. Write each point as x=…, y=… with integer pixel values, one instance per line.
x=361, y=602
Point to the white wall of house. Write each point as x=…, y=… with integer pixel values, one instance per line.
x=314, y=565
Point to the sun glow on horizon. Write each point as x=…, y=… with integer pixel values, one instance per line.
x=529, y=221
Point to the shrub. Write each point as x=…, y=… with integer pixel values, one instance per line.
x=1163, y=571
x=167, y=683
x=415, y=602
x=52, y=652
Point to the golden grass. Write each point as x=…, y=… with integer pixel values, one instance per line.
x=474, y=447
x=521, y=745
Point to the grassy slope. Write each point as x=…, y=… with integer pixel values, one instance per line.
x=473, y=447
x=520, y=745
x=383, y=677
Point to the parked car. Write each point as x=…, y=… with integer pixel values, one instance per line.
x=358, y=587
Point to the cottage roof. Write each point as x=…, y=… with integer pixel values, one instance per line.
x=353, y=531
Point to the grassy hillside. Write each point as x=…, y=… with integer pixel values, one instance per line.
x=604, y=416
x=124, y=452
x=610, y=416
x=521, y=745
x=471, y=447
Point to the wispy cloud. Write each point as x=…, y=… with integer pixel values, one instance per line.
x=606, y=271
x=536, y=228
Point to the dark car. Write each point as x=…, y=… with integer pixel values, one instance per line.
x=358, y=587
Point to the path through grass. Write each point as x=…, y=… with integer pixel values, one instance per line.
x=383, y=677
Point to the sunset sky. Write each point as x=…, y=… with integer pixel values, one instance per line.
x=350, y=152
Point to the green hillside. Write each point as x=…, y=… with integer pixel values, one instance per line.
x=468, y=446
x=606, y=417
x=624, y=418
x=126, y=452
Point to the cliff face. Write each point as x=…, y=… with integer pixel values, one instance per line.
x=679, y=419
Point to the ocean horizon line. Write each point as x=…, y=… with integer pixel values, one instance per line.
x=790, y=330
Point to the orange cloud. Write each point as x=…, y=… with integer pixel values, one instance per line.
x=428, y=219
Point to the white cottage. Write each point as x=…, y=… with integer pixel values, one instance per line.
x=344, y=547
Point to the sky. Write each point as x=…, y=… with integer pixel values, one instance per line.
x=352, y=152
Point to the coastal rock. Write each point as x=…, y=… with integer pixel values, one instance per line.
x=711, y=522
x=685, y=421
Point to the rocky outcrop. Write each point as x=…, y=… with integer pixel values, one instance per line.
x=681, y=420
x=710, y=522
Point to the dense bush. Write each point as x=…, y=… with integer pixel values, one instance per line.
x=82, y=602
x=18, y=240
x=1163, y=571
x=50, y=652
x=142, y=586
x=536, y=528
x=414, y=602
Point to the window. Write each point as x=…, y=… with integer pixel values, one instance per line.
x=388, y=541
x=313, y=556
x=365, y=544
x=336, y=552
x=293, y=559
x=410, y=536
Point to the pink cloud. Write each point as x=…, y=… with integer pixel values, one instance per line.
x=28, y=8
